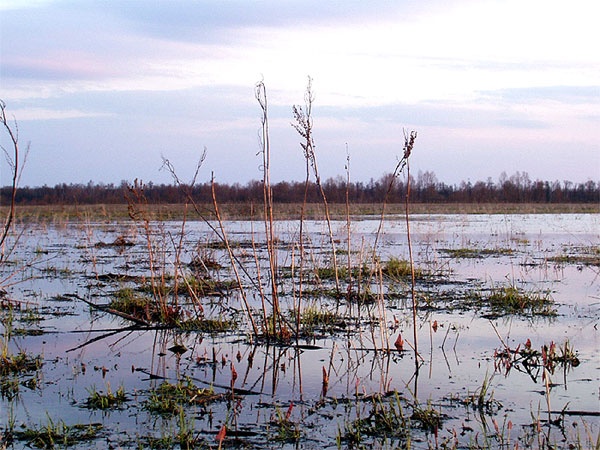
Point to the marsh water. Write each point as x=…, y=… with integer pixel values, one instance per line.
x=59, y=270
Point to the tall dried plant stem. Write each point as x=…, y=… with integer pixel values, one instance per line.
x=187, y=190
x=261, y=97
x=409, y=141
x=348, y=231
x=397, y=171
x=258, y=271
x=12, y=157
x=301, y=246
x=232, y=258
x=303, y=126
x=137, y=207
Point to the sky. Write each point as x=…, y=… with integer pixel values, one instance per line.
x=103, y=91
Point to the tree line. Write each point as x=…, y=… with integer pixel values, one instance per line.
x=425, y=188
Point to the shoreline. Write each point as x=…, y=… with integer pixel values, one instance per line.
x=283, y=211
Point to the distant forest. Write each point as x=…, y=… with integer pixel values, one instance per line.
x=425, y=188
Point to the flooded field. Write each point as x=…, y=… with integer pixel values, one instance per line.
x=205, y=335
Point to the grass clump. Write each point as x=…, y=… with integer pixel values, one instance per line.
x=20, y=363
x=483, y=398
x=9, y=387
x=59, y=434
x=396, y=268
x=527, y=359
x=205, y=286
x=108, y=400
x=12, y=366
x=208, y=325
x=128, y=301
x=385, y=420
x=586, y=256
x=511, y=300
x=313, y=318
x=477, y=253
x=169, y=399
x=428, y=418
x=286, y=430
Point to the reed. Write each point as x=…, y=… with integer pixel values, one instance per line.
x=137, y=207
x=409, y=142
x=233, y=261
x=304, y=125
x=261, y=97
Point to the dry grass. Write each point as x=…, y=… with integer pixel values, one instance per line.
x=292, y=210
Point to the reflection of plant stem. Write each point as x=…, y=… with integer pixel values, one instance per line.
x=547, y=386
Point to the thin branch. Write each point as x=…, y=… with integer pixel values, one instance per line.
x=13, y=162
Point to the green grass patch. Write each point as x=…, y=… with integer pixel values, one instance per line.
x=476, y=253
x=512, y=300
x=108, y=400
x=396, y=268
x=586, y=256
x=20, y=363
x=313, y=318
x=169, y=399
x=427, y=417
x=59, y=434
x=208, y=325
x=205, y=286
x=385, y=420
x=128, y=301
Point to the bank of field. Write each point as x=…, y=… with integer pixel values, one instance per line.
x=291, y=211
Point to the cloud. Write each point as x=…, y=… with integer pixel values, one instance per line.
x=138, y=78
x=563, y=94
x=8, y=5
x=27, y=114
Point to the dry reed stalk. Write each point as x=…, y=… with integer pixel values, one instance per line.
x=137, y=207
x=301, y=242
x=223, y=235
x=187, y=188
x=259, y=275
x=409, y=142
x=198, y=209
x=303, y=126
x=348, y=231
x=261, y=97
x=177, y=272
x=297, y=299
x=13, y=159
